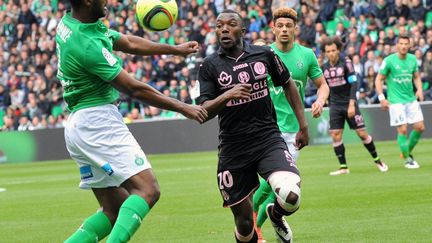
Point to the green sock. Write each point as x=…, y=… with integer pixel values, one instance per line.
x=262, y=215
x=94, y=229
x=402, y=141
x=261, y=194
x=131, y=213
x=413, y=139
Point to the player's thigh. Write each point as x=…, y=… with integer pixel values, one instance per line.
x=413, y=112
x=397, y=115
x=274, y=159
x=243, y=209
x=106, y=152
x=289, y=138
x=357, y=122
x=236, y=183
x=337, y=117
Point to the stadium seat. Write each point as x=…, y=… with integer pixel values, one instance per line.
x=339, y=13
x=331, y=27
x=2, y=114
x=428, y=21
x=57, y=110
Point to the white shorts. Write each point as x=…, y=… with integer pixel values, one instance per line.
x=289, y=138
x=401, y=114
x=103, y=147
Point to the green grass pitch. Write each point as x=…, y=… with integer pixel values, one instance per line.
x=42, y=202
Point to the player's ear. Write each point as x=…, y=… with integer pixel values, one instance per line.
x=87, y=3
x=243, y=31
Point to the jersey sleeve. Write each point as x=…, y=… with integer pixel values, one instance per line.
x=206, y=83
x=277, y=69
x=385, y=67
x=349, y=68
x=416, y=67
x=314, y=68
x=351, y=77
x=101, y=62
x=114, y=35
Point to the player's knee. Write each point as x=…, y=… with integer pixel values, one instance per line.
x=151, y=193
x=154, y=195
x=244, y=224
x=286, y=186
x=420, y=128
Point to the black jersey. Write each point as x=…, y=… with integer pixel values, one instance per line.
x=248, y=124
x=342, y=80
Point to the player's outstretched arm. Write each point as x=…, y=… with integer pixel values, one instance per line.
x=139, y=46
x=213, y=107
x=127, y=84
x=379, y=89
x=322, y=95
x=293, y=98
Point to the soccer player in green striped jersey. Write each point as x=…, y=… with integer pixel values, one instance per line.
x=400, y=71
x=302, y=64
x=110, y=160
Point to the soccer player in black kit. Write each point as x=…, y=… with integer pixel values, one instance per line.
x=233, y=85
x=342, y=80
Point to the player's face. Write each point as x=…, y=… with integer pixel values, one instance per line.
x=403, y=46
x=98, y=8
x=284, y=30
x=229, y=30
x=332, y=53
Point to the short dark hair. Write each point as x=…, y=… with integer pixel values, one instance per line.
x=230, y=11
x=76, y=3
x=330, y=41
x=403, y=37
x=285, y=12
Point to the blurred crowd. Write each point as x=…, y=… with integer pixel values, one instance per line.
x=31, y=95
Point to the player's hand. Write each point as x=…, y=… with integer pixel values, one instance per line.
x=302, y=138
x=195, y=112
x=419, y=95
x=317, y=108
x=239, y=91
x=384, y=104
x=187, y=48
x=351, y=111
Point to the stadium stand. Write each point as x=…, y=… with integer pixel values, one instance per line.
x=31, y=95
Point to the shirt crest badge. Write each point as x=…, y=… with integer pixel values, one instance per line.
x=300, y=64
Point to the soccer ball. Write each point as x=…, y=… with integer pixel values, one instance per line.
x=156, y=15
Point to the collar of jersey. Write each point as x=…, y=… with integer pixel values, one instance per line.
x=85, y=25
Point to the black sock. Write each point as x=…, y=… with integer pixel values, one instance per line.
x=340, y=154
x=253, y=240
x=372, y=150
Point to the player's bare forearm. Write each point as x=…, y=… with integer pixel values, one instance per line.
x=139, y=46
x=215, y=106
x=323, y=89
x=419, y=86
x=378, y=84
x=145, y=93
x=294, y=100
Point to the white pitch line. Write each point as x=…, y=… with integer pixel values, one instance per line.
x=2, y=189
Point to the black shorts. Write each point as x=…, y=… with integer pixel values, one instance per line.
x=339, y=114
x=238, y=176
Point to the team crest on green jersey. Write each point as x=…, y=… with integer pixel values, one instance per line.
x=139, y=160
x=300, y=64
